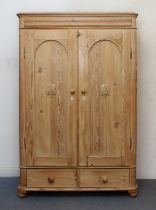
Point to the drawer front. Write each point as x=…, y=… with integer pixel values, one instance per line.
x=51, y=178
x=104, y=178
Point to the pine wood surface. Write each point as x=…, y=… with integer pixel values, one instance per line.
x=78, y=102
x=77, y=20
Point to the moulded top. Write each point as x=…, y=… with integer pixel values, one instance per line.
x=100, y=14
x=77, y=20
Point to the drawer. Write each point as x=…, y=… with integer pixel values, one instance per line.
x=104, y=178
x=51, y=178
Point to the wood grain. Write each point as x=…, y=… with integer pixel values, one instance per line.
x=50, y=134
x=104, y=178
x=104, y=61
x=78, y=82
x=77, y=20
x=61, y=178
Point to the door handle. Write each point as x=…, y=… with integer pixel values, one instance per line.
x=83, y=92
x=72, y=91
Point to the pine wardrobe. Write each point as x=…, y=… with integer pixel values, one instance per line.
x=77, y=102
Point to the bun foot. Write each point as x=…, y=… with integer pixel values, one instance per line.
x=21, y=192
x=133, y=193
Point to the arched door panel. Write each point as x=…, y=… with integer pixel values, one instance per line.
x=103, y=113
x=53, y=115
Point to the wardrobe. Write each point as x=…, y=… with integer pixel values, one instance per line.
x=77, y=102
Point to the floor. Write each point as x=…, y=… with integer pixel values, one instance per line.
x=9, y=200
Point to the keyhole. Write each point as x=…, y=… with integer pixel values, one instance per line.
x=116, y=124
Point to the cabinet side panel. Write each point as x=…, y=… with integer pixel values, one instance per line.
x=132, y=177
x=22, y=114
x=133, y=98
x=22, y=108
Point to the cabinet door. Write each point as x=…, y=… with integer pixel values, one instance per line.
x=104, y=97
x=51, y=97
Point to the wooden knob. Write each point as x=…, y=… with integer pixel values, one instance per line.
x=51, y=179
x=116, y=124
x=103, y=179
x=83, y=91
x=72, y=91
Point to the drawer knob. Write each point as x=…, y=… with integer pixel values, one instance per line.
x=51, y=179
x=103, y=179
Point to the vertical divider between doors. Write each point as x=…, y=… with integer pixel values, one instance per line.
x=77, y=41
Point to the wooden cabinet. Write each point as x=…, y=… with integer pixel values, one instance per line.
x=77, y=102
